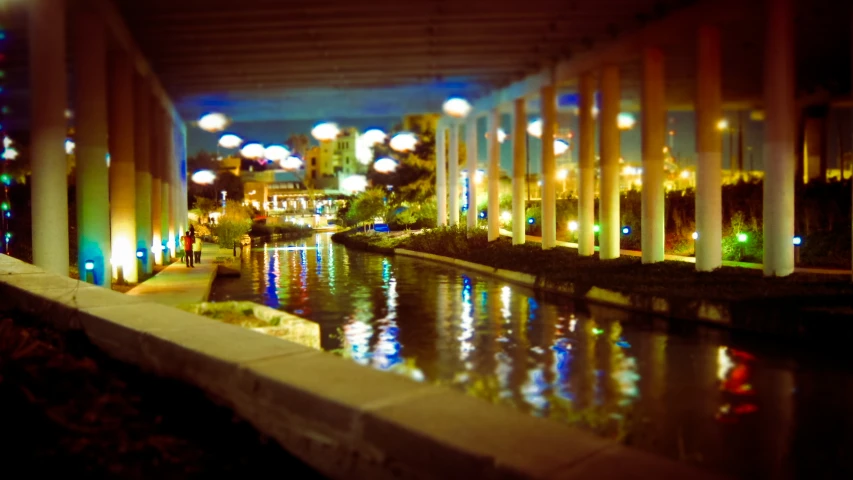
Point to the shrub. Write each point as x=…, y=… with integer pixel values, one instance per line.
x=235, y=222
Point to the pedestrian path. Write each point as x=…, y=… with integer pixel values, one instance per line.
x=178, y=284
x=679, y=258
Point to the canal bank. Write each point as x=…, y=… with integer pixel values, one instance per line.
x=730, y=297
x=699, y=394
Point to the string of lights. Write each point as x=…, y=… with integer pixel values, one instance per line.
x=8, y=154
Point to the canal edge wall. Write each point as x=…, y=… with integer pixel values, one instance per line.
x=698, y=310
x=343, y=419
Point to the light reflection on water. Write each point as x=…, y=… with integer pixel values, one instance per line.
x=732, y=406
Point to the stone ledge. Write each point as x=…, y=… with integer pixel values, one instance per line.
x=344, y=419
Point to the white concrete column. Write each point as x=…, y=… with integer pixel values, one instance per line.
x=586, y=164
x=519, y=171
x=169, y=160
x=654, y=131
x=90, y=123
x=156, y=182
x=493, y=153
x=142, y=157
x=122, y=168
x=48, y=92
x=608, y=204
x=548, y=96
x=441, y=174
x=165, y=184
x=182, y=162
x=453, y=173
x=779, y=139
x=709, y=111
x=471, y=151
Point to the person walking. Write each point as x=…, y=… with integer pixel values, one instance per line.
x=197, y=249
x=187, y=240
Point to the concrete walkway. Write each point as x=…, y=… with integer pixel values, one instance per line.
x=679, y=258
x=177, y=284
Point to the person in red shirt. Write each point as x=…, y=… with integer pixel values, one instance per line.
x=187, y=241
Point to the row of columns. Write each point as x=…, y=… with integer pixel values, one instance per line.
x=779, y=154
x=130, y=172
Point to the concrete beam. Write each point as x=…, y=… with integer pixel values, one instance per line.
x=115, y=24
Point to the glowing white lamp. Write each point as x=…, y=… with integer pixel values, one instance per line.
x=229, y=140
x=562, y=174
x=291, y=163
x=625, y=121
x=501, y=135
x=560, y=147
x=354, y=183
x=534, y=128
x=276, y=153
x=373, y=136
x=213, y=122
x=573, y=226
x=404, y=142
x=457, y=107
x=723, y=124
x=69, y=147
x=252, y=150
x=203, y=177
x=385, y=165
x=325, y=132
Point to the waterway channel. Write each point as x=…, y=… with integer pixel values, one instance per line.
x=747, y=407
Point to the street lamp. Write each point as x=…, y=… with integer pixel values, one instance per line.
x=534, y=128
x=229, y=140
x=457, y=107
x=373, y=136
x=213, y=122
x=203, y=177
x=625, y=121
x=291, y=163
x=276, y=153
x=385, y=165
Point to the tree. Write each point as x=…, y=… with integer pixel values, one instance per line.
x=204, y=206
x=414, y=178
x=234, y=222
x=406, y=218
x=367, y=206
x=298, y=144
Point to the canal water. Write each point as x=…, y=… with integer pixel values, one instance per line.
x=745, y=407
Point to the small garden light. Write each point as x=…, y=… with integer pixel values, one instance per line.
x=530, y=221
x=573, y=226
x=6, y=179
x=596, y=228
x=482, y=214
x=695, y=235
x=626, y=230
x=89, y=265
x=798, y=240
x=742, y=237
x=4, y=206
x=140, y=253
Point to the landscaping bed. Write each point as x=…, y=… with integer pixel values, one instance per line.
x=70, y=410
x=626, y=274
x=374, y=242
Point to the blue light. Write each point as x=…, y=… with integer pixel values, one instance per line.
x=89, y=265
x=140, y=253
x=626, y=230
x=798, y=241
x=482, y=214
x=530, y=221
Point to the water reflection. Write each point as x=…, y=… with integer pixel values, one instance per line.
x=736, y=407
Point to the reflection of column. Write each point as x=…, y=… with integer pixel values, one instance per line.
x=142, y=157
x=90, y=122
x=122, y=169
x=586, y=163
x=520, y=346
x=493, y=153
x=654, y=131
x=441, y=175
x=709, y=210
x=519, y=157
x=608, y=210
x=471, y=151
x=549, y=189
x=779, y=102
x=583, y=365
x=611, y=359
x=453, y=173
x=48, y=92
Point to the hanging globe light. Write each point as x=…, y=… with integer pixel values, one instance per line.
x=457, y=107
x=404, y=142
x=385, y=165
x=203, y=177
x=325, y=132
x=560, y=147
x=625, y=121
x=253, y=150
x=276, y=153
x=373, y=136
x=291, y=163
x=229, y=140
x=213, y=122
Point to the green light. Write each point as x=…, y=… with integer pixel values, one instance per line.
x=742, y=237
x=6, y=179
x=597, y=331
x=596, y=228
x=4, y=206
x=8, y=235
